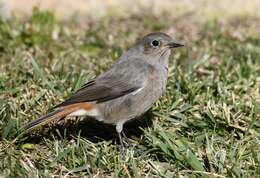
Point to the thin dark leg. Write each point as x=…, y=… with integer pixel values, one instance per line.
x=121, y=139
x=125, y=138
x=122, y=146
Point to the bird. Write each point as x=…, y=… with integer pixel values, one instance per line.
x=125, y=91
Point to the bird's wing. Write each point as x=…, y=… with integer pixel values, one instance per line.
x=100, y=92
x=117, y=82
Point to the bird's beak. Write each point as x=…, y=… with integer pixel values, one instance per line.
x=174, y=45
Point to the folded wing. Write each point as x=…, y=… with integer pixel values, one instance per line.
x=120, y=80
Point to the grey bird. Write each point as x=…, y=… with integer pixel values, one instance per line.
x=125, y=91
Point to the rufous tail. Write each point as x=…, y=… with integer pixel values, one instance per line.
x=54, y=115
x=58, y=114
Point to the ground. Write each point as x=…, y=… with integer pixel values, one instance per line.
x=205, y=125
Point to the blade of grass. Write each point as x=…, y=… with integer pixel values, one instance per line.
x=40, y=73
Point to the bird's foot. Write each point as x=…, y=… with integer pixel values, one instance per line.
x=124, y=144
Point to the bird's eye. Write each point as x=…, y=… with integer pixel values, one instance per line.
x=155, y=43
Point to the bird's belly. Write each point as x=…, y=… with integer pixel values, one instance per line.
x=131, y=105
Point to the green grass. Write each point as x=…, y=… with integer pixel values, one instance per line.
x=206, y=125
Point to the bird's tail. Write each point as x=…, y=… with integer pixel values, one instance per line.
x=54, y=115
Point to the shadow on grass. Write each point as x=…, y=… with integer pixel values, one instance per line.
x=90, y=129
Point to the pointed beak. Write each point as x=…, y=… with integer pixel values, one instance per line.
x=174, y=45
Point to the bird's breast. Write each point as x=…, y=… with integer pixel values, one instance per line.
x=138, y=102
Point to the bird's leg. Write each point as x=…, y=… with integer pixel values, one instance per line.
x=121, y=135
x=122, y=146
x=125, y=138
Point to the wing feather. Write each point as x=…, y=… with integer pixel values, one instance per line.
x=112, y=84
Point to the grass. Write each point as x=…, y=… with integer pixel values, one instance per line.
x=206, y=124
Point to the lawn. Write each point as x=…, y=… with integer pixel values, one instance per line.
x=205, y=125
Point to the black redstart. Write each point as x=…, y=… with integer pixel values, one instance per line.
x=125, y=91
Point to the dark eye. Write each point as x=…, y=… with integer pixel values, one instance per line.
x=155, y=43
